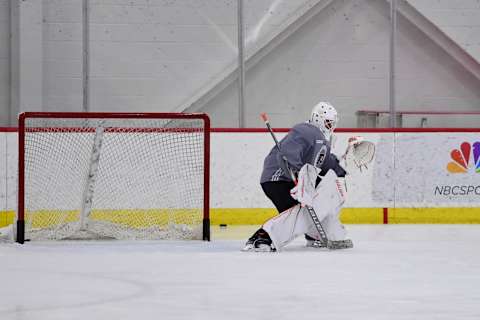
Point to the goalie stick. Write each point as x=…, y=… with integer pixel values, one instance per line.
x=323, y=235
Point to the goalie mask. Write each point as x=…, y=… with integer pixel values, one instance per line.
x=324, y=116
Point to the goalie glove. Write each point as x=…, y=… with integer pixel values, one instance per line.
x=353, y=141
x=359, y=153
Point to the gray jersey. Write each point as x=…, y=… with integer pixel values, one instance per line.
x=303, y=144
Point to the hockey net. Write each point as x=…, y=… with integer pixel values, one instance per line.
x=113, y=175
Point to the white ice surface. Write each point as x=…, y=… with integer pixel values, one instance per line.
x=394, y=272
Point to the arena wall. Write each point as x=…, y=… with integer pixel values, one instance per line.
x=163, y=56
x=413, y=178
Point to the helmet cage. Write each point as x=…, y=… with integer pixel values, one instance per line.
x=324, y=116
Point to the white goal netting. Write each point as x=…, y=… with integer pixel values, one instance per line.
x=125, y=178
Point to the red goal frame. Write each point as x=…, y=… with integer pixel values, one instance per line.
x=109, y=115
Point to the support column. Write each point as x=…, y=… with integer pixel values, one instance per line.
x=85, y=55
x=26, y=57
x=393, y=35
x=241, y=65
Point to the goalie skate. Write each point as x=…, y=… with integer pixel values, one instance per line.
x=259, y=246
x=259, y=242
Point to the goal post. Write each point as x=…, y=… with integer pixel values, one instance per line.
x=100, y=175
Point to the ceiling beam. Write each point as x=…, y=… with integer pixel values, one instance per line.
x=253, y=55
x=432, y=31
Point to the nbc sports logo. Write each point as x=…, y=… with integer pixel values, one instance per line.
x=461, y=158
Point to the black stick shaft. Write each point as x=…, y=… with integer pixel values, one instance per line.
x=277, y=144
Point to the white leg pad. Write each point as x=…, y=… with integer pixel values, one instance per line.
x=290, y=224
x=327, y=200
x=334, y=228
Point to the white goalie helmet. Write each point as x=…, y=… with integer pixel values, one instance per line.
x=325, y=117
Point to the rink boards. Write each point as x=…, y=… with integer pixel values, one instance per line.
x=247, y=216
x=416, y=177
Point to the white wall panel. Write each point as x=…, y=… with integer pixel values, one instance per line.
x=421, y=170
x=409, y=170
x=341, y=55
x=174, y=51
x=62, y=61
x=3, y=171
x=61, y=51
x=4, y=62
x=152, y=56
x=459, y=19
x=11, y=171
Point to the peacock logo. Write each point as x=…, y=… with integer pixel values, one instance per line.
x=461, y=158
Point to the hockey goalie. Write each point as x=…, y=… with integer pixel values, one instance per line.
x=306, y=183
